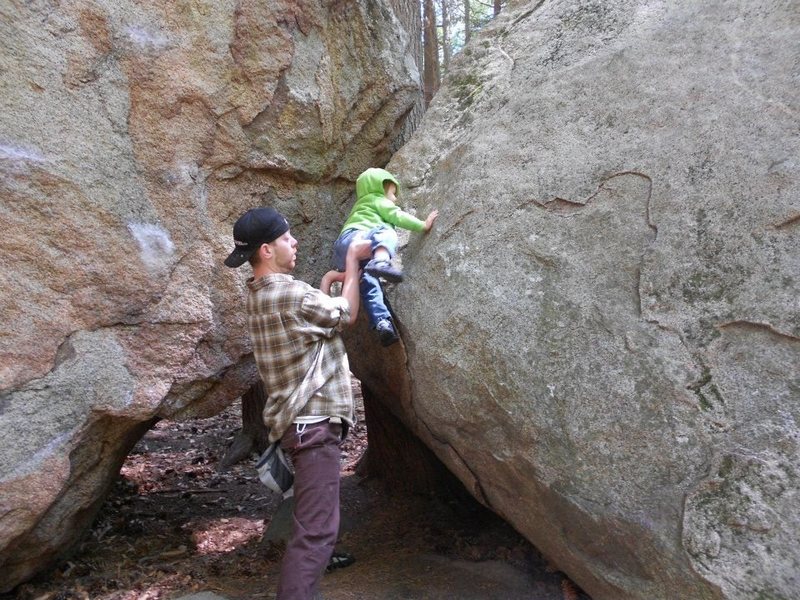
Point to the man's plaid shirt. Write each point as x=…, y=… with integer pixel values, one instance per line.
x=299, y=352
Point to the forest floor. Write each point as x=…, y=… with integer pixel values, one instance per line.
x=174, y=526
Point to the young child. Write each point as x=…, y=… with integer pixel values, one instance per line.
x=374, y=217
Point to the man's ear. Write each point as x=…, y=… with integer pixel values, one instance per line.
x=264, y=251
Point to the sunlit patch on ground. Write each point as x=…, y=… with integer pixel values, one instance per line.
x=226, y=534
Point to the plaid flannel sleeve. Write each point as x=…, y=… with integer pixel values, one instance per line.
x=323, y=310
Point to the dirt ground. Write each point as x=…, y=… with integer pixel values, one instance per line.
x=173, y=526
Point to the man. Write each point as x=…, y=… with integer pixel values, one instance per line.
x=301, y=358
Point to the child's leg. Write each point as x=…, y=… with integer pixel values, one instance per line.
x=372, y=300
x=374, y=304
x=384, y=246
x=382, y=254
x=384, y=242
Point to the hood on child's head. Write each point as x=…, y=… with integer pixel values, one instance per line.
x=371, y=182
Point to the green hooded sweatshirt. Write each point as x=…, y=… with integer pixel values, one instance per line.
x=373, y=208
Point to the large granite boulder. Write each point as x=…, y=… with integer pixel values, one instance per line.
x=602, y=333
x=131, y=137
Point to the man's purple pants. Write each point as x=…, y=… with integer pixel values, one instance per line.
x=315, y=454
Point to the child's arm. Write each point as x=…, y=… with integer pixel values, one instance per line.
x=391, y=213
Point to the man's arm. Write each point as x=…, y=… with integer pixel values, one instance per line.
x=356, y=252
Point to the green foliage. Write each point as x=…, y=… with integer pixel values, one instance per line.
x=481, y=12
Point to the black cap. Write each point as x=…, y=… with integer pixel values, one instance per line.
x=255, y=227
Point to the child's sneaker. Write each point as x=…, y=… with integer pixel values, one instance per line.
x=383, y=268
x=386, y=332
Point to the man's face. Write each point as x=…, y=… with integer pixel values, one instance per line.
x=284, y=250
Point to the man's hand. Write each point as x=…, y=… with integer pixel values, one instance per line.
x=328, y=279
x=429, y=221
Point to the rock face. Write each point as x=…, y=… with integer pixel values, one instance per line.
x=603, y=329
x=131, y=137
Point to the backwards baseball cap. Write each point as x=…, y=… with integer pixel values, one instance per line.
x=255, y=227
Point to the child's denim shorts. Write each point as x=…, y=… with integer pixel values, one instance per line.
x=382, y=235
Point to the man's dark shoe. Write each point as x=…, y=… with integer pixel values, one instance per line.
x=340, y=560
x=383, y=268
x=386, y=332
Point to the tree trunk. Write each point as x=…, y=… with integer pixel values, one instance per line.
x=467, y=24
x=497, y=6
x=430, y=46
x=254, y=435
x=446, y=50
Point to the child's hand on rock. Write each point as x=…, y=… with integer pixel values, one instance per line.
x=431, y=218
